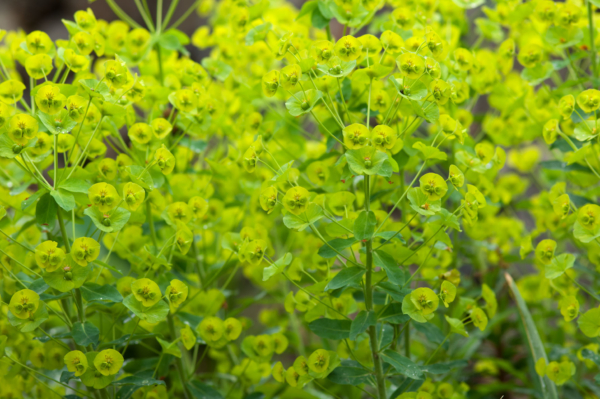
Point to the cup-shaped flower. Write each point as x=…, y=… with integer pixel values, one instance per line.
x=383, y=137
x=11, y=91
x=140, y=133
x=180, y=212
x=23, y=304
x=85, y=250
x=161, y=128
x=232, y=328
x=411, y=65
x=76, y=362
x=22, y=128
x=356, y=136
x=319, y=361
x=176, y=292
x=348, y=48
x=425, y=300
x=48, y=256
x=211, y=329
x=108, y=362
x=589, y=100
x=146, y=291
x=433, y=185
x=133, y=196
x=296, y=200
x=104, y=196
x=164, y=160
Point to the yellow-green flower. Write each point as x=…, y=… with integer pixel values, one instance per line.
x=569, y=307
x=187, y=337
x=177, y=292
x=108, y=169
x=268, y=199
x=38, y=66
x=84, y=42
x=411, y=65
x=296, y=200
x=566, y=106
x=383, y=137
x=456, y=176
x=301, y=365
x=104, y=196
x=146, y=291
x=589, y=217
x=85, y=19
x=199, y=206
x=447, y=292
x=180, y=212
x=545, y=251
x=348, y=48
x=108, y=362
x=185, y=100
x=270, y=83
x=211, y=329
x=530, y=55
x=356, y=136
x=232, y=328
x=164, y=160
x=115, y=72
x=161, y=128
x=479, y=318
x=278, y=372
x=76, y=105
x=133, y=196
x=11, y=91
x=425, y=300
x=23, y=304
x=433, y=185
x=319, y=361
x=48, y=256
x=22, y=128
x=141, y=133
x=263, y=345
x=85, y=250
x=76, y=362
x=76, y=62
x=280, y=343
x=39, y=42
x=290, y=76
x=292, y=377
x=589, y=100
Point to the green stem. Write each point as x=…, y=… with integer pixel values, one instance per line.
x=151, y=223
x=63, y=230
x=184, y=16
x=121, y=14
x=592, y=36
x=379, y=376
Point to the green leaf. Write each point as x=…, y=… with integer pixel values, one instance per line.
x=59, y=123
x=217, y=68
x=443, y=368
x=29, y=325
x=589, y=323
x=402, y=364
x=303, y=102
x=468, y=4
x=533, y=338
x=258, y=33
x=564, y=167
x=364, y=225
x=330, y=328
x=64, y=199
x=538, y=73
x=561, y=38
x=46, y=211
x=361, y=322
x=313, y=213
x=559, y=265
x=379, y=162
x=85, y=334
x=386, y=262
x=144, y=180
x=95, y=89
x=350, y=376
x=152, y=315
x=346, y=277
x=457, y=326
x=58, y=279
x=75, y=185
x=6, y=147
x=203, y=391
x=170, y=348
x=32, y=199
x=394, y=314
x=103, y=294
x=339, y=244
x=330, y=69
x=430, y=152
x=109, y=267
x=115, y=221
x=277, y=267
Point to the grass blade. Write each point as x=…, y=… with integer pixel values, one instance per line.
x=533, y=338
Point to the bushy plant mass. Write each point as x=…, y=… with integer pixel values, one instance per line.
x=382, y=211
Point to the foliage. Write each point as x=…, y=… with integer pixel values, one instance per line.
x=388, y=212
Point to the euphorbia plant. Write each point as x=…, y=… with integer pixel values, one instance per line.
x=306, y=211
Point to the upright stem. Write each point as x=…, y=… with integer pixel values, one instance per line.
x=369, y=304
x=592, y=35
x=151, y=223
x=63, y=230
